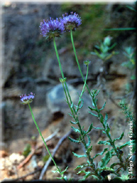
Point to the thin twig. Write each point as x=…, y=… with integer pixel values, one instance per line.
x=27, y=159
x=28, y=174
x=53, y=154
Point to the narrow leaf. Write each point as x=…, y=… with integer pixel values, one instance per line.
x=103, y=106
x=105, y=159
x=89, y=149
x=93, y=114
x=71, y=105
x=121, y=29
x=89, y=141
x=87, y=174
x=108, y=129
x=80, y=103
x=78, y=155
x=73, y=140
x=74, y=123
x=70, y=115
x=121, y=136
x=75, y=129
x=95, y=177
x=104, y=142
x=101, y=118
x=90, y=128
x=101, y=153
x=92, y=109
x=114, y=164
x=82, y=166
x=62, y=172
x=97, y=92
x=105, y=119
x=98, y=128
x=131, y=8
x=81, y=171
x=126, y=144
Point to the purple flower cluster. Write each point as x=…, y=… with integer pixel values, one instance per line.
x=26, y=99
x=51, y=28
x=54, y=28
x=71, y=21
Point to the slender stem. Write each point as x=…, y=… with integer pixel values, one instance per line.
x=71, y=35
x=44, y=141
x=84, y=83
x=58, y=58
x=81, y=131
x=62, y=71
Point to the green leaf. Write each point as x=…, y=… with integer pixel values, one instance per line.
x=87, y=174
x=95, y=177
x=105, y=119
x=110, y=48
x=89, y=141
x=131, y=8
x=75, y=129
x=98, y=47
x=92, y=109
x=106, y=171
x=79, y=166
x=82, y=166
x=120, y=138
x=121, y=29
x=45, y=158
x=93, y=114
x=70, y=115
x=62, y=172
x=101, y=153
x=101, y=118
x=27, y=150
x=108, y=129
x=104, y=142
x=98, y=128
x=105, y=160
x=81, y=171
x=74, y=123
x=114, y=164
x=103, y=106
x=97, y=92
x=79, y=156
x=89, y=149
x=97, y=53
x=126, y=144
x=81, y=102
x=73, y=140
x=72, y=105
x=90, y=128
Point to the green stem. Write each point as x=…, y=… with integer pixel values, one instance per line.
x=81, y=131
x=44, y=141
x=71, y=35
x=109, y=136
x=84, y=83
x=62, y=72
x=58, y=58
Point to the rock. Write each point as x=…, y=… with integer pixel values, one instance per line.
x=57, y=105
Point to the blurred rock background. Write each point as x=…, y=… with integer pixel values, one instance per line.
x=30, y=65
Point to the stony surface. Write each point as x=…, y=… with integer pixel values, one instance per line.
x=30, y=65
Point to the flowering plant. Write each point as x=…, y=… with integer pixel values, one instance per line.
x=52, y=29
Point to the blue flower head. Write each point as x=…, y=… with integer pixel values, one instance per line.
x=52, y=28
x=71, y=22
x=26, y=99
